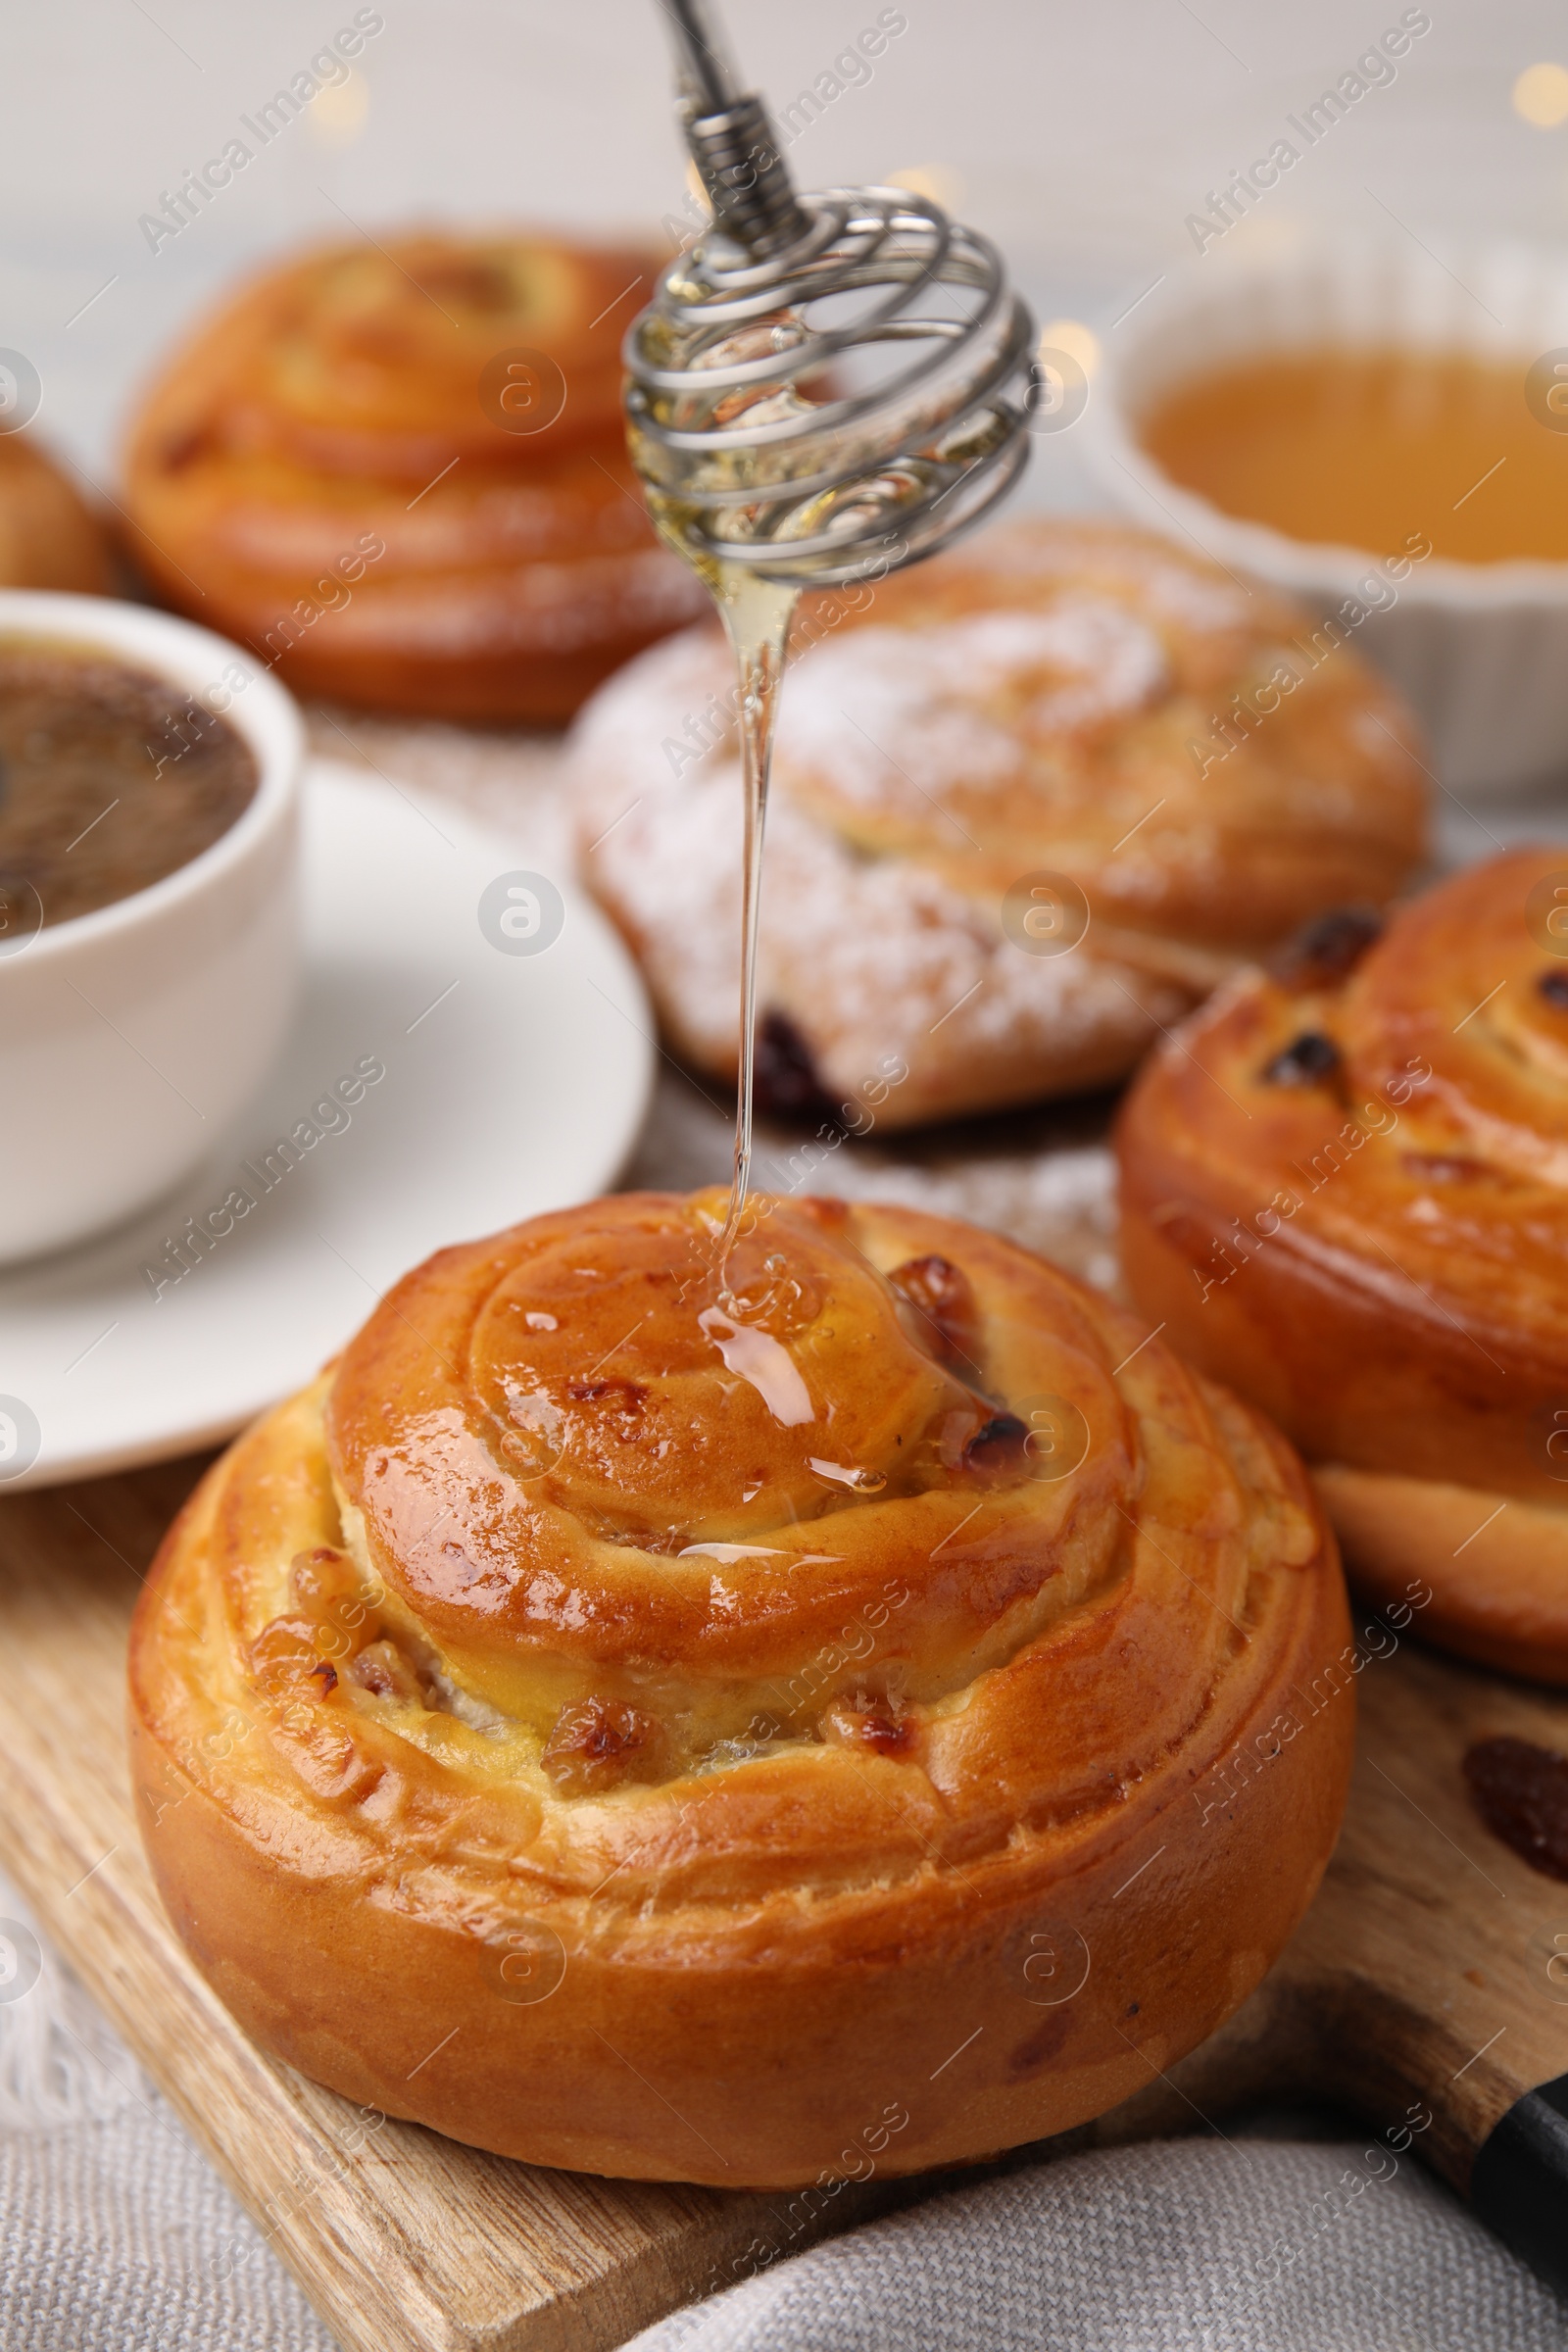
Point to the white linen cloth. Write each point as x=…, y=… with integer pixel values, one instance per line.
x=116, y=2235
x=1172, y=2246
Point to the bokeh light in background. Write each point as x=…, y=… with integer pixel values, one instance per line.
x=1079, y=342
x=337, y=114
x=1541, y=96
x=939, y=182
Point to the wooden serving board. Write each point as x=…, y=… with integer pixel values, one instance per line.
x=1417, y=1987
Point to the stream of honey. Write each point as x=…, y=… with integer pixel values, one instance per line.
x=756, y=613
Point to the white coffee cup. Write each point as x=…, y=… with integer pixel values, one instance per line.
x=128, y=1037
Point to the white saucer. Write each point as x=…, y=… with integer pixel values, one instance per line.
x=514, y=1082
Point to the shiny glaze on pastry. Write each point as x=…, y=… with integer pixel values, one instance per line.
x=701, y=1711
x=323, y=471
x=1043, y=701
x=1344, y=1190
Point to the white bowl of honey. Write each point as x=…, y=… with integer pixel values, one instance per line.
x=1382, y=431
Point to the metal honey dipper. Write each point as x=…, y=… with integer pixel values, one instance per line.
x=823, y=388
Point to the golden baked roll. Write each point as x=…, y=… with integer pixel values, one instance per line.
x=1344, y=1190
x=1006, y=843
x=679, y=1730
x=401, y=475
x=48, y=537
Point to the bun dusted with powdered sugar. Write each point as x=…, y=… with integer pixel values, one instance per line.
x=1007, y=844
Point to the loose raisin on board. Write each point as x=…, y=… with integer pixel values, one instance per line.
x=1521, y=1793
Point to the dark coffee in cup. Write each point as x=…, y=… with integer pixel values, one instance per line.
x=111, y=778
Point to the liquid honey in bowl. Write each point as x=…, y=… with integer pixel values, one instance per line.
x=1363, y=448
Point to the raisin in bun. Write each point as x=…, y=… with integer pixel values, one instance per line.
x=1036, y=712
x=329, y=472
x=657, y=1726
x=1344, y=1190
x=48, y=537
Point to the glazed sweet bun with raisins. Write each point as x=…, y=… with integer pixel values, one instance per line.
x=1344, y=1190
x=399, y=473
x=664, y=1720
x=1017, y=825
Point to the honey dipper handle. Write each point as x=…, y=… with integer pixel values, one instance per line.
x=732, y=142
x=704, y=66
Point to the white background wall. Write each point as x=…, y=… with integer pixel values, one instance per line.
x=1080, y=135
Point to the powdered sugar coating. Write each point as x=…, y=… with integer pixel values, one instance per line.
x=1026, y=705
x=1198, y=595
x=877, y=960
x=886, y=714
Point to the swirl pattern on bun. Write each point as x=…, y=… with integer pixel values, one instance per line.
x=1007, y=844
x=399, y=473
x=1344, y=1190
x=700, y=1707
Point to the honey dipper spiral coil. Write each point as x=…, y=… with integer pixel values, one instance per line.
x=1344, y=1191
x=693, y=1708
x=398, y=473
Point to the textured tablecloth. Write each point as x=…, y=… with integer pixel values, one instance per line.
x=1245, y=2246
